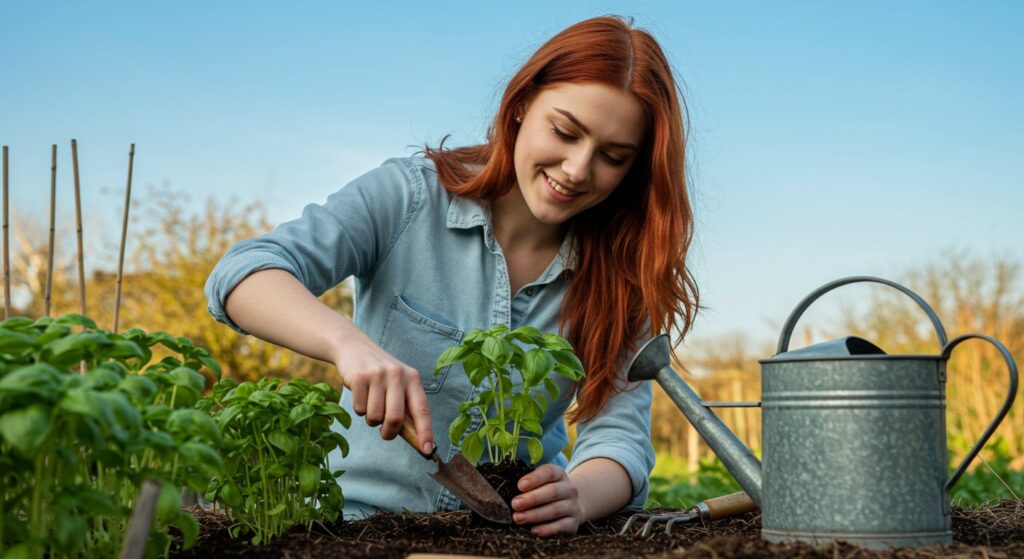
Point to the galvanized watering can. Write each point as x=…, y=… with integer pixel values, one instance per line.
x=854, y=440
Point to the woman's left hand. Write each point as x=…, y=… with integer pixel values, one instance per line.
x=549, y=501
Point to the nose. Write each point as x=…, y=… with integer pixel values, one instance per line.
x=577, y=165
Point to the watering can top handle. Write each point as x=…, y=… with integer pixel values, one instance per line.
x=947, y=350
x=787, y=330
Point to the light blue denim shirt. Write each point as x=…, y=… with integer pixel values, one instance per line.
x=427, y=270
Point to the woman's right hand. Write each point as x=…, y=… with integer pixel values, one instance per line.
x=384, y=390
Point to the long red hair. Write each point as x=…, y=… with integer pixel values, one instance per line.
x=630, y=249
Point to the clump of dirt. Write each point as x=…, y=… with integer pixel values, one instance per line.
x=992, y=531
x=504, y=478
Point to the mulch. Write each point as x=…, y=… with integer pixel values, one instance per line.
x=992, y=531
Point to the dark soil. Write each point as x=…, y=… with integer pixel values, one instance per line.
x=504, y=478
x=992, y=531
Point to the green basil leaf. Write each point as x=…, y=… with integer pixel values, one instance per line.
x=554, y=341
x=536, y=366
x=528, y=335
x=309, y=479
x=283, y=441
x=472, y=447
x=187, y=378
x=168, y=506
x=451, y=355
x=202, y=455
x=40, y=379
x=458, y=428
x=189, y=529
x=552, y=388
x=69, y=531
x=300, y=413
x=533, y=426
x=497, y=350
x=278, y=509
x=138, y=387
x=15, y=342
x=536, y=450
x=27, y=428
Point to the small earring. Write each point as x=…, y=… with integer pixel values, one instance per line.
x=519, y=119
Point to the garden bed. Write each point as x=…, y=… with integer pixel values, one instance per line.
x=992, y=531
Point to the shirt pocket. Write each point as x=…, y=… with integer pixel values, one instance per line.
x=418, y=341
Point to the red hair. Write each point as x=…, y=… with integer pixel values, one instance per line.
x=630, y=249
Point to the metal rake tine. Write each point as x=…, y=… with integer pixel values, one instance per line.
x=682, y=518
x=650, y=523
x=629, y=523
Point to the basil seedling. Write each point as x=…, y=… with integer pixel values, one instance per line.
x=276, y=440
x=76, y=448
x=513, y=401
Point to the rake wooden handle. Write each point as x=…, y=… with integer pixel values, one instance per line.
x=727, y=505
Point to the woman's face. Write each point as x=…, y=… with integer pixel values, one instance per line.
x=576, y=143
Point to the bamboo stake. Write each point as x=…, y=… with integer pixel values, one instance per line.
x=53, y=215
x=81, y=253
x=7, y=262
x=141, y=523
x=124, y=235
x=78, y=224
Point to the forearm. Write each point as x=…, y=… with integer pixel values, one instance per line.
x=273, y=305
x=603, y=488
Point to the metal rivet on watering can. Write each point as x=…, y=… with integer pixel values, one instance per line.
x=854, y=440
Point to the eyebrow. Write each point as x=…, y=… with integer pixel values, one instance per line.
x=586, y=130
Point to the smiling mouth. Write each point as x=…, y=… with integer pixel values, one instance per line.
x=558, y=186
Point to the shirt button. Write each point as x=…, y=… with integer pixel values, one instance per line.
x=529, y=291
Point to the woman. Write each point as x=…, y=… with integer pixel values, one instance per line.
x=573, y=217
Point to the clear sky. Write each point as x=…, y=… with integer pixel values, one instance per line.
x=828, y=138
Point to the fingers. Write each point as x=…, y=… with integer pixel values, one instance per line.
x=419, y=410
x=552, y=517
x=553, y=502
x=545, y=473
x=565, y=525
x=375, y=403
x=385, y=391
x=394, y=414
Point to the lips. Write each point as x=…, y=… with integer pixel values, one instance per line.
x=560, y=188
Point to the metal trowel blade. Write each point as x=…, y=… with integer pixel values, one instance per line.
x=470, y=486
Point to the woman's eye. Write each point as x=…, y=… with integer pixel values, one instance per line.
x=562, y=135
x=614, y=160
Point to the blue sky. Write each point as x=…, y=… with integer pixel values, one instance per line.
x=828, y=138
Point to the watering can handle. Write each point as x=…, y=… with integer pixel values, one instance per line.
x=787, y=330
x=1012, y=366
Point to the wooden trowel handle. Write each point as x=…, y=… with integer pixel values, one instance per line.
x=409, y=434
x=727, y=505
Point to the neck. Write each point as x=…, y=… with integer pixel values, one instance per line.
x=516, y=228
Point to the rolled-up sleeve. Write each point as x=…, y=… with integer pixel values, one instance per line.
x=348, y=235
x=621, y=431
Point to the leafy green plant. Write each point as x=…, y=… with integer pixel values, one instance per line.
x=76, y=448
x=990, y=479
x=684, y=490
x=275, y=446
x=520, y=388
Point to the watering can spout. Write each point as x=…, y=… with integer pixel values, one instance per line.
x=652, y=362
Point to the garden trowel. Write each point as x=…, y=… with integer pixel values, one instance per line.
x=462, y=479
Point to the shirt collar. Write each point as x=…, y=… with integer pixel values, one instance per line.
x=466, y=213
